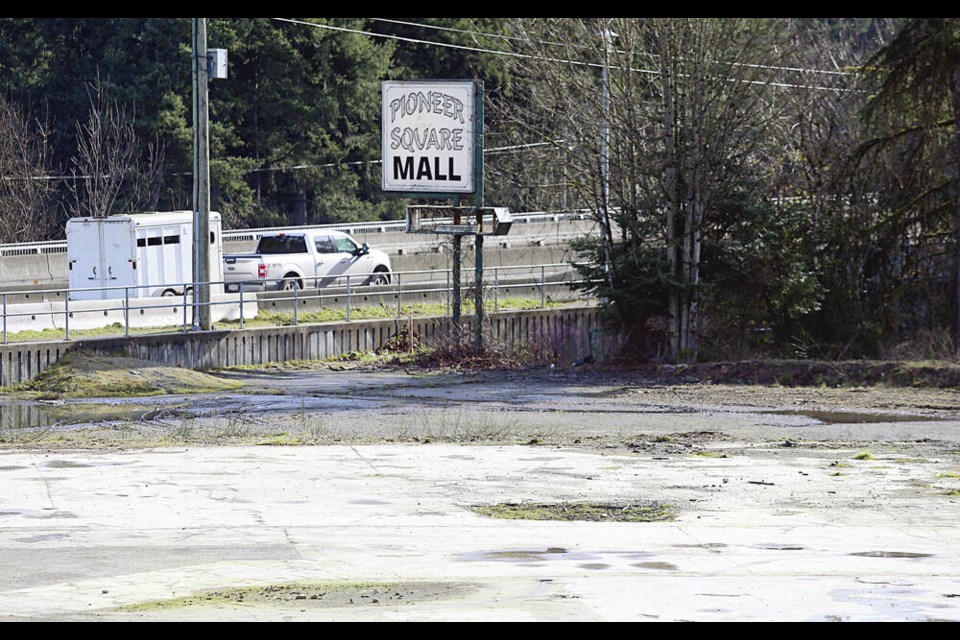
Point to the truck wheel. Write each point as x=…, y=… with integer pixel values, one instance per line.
x=379, y=277
x=291, y=283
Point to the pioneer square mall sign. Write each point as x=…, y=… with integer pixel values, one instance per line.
x=429, y=136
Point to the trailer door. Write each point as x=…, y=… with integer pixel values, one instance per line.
x=118, y=258
x=99, y=253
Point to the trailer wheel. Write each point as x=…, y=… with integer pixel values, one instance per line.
x=169, y=293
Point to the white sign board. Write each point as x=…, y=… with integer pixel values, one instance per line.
x=429, y=136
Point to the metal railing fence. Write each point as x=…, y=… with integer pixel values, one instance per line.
x=351, y=292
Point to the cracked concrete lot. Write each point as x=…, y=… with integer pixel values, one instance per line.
x=321, y=495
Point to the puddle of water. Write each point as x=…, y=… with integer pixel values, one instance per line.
x=24, y=414
x=780, y=547
x=515, y=555
x=44, y=538
x=705, y=545
x=66, y=464
x=662, y=566
x=527, y=555
x=43, y=514
x=11, y=467
x=29, y=415
x=853, y=417
x=367, y=501
x=891, y=554
x=594, y=565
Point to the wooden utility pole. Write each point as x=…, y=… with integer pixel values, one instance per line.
x=201, y=180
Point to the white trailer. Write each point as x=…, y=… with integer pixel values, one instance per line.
x=137, y=255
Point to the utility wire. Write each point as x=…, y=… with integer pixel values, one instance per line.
x=475, y=33
x=514, y=54
x=581, y=46
x=491, y=151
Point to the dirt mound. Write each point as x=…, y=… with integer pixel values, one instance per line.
x=85, y=375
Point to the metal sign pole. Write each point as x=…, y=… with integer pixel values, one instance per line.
x=430, y=151
x=478, y=165
x=457, y=301
x=478, y=294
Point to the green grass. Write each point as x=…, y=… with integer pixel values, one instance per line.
x=313, y=594
x=267, y=318
x=863, y=455
x=281, y=440
x=949, y=474
x=570, y=511
x=112, y=330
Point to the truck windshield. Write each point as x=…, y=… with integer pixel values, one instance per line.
x=282, y=244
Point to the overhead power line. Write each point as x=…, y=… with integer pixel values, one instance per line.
x=514, y=54
x=581, y=46
x=492, y=151
x=499, y=36
x=389, y=36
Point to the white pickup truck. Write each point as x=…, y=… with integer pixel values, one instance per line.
x=316, y=258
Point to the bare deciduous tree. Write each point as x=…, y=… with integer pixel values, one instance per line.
x=685, y=102
x=109, y=169
x=25, y=190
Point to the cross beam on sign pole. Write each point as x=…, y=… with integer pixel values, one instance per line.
x=460, y=221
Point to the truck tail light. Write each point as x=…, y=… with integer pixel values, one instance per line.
x=262, y=271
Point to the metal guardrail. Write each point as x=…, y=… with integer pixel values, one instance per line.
x=249, y=235
x=414, y=285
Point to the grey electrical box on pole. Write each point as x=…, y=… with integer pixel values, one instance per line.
x=217, y=69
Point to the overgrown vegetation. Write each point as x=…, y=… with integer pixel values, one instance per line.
x=748, y=210
x=762, y=187
x=817, y=373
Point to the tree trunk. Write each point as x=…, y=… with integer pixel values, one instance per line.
x=672, y=188
x=955, y=102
